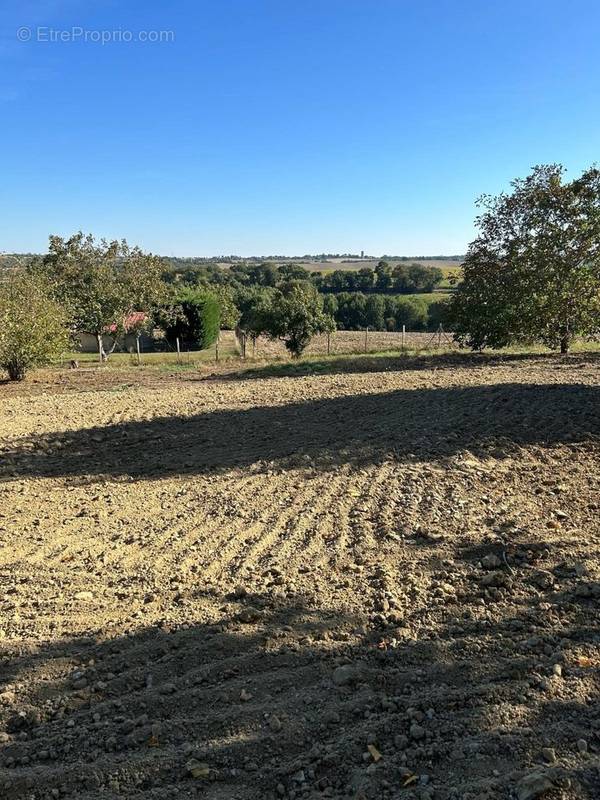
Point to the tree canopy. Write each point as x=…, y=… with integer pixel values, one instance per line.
x=297, y=315
x=533, y=273
x=102, y=283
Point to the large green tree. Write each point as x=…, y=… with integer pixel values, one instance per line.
x=533, y=273
x=102, y=284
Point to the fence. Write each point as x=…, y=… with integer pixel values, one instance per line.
x=233, y=344
x=367, y=341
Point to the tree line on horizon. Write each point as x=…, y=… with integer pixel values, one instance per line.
x=403, y=278
x=532, y=275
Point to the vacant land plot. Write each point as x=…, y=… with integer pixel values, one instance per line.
x=367, y=585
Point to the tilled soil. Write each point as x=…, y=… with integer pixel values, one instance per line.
x=377, y=584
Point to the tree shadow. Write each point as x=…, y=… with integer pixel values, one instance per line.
x=274, y=698
x=433, y=424
x=399, y=362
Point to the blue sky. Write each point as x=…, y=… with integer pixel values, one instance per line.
x=287, y=126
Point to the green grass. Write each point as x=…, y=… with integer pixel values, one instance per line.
x=187, y=360
x=318, y=364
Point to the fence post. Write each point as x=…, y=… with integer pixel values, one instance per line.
x=403, y=335
x=178, y=350
x=217, y=350
x=328, y=342
x=366, y=337
x=137, y=347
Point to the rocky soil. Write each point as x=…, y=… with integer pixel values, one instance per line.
x=362, y=584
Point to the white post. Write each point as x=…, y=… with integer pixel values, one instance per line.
x=403, y=335
x=137, y=347
x=178, y=350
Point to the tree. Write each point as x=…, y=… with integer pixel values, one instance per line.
x=229, y=313
x=330, y=305
x=193, y=318
x=364, y=280
x=296, y=315
x=351, y=311
x=383, y=277
x=293, y=272
x=254, y=305
x=101, y=284
x=533, y=273
x=143, y=290
x=33, y=327
x=375, y=312
x=265, y=274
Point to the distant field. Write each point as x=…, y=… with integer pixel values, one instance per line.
x=337, y=263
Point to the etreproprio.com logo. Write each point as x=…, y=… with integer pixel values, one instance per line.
x=92, y=35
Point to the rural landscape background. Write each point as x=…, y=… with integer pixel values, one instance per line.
x=299, y=400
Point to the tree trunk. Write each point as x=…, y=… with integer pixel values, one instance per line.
x=101, y=353
x=565, y=343
x=16, y=370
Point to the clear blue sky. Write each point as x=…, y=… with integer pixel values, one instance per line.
x=287, y=126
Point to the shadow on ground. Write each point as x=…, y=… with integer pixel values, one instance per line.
x=400, y=362
x=277, y=699
x=406, y=425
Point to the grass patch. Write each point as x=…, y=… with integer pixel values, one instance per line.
x=187, y=360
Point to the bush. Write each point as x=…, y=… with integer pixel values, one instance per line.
x=195, y=319
x=33, y=328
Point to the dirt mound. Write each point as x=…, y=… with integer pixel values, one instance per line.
x=379, y=585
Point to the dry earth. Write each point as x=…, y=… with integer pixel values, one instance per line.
x=367, y=584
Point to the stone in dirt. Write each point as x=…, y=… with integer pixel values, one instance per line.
x=534, y=785
x=84, y=596
x=491, y=561
x=249, y=615
x=549, y=754
x=198, y=769
x=347, y=674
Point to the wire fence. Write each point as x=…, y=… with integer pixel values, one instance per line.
x=349, y=342
x=233, y=344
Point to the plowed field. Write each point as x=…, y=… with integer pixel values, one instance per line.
x=379, y=584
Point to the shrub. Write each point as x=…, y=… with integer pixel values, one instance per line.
x=33, y=328
x=195, y=318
